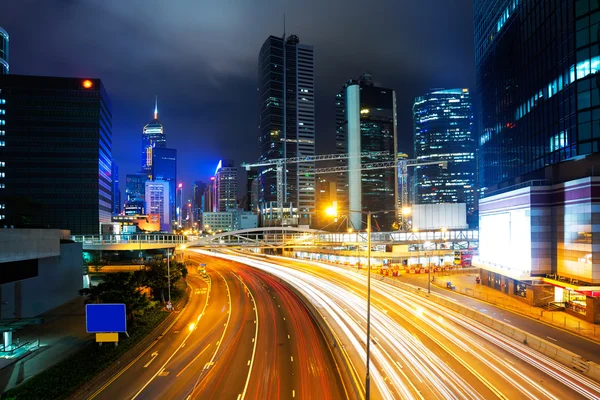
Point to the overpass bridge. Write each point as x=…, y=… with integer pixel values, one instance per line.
x=277, y=237
x=130, y=242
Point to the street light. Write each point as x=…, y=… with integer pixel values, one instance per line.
x=332, y=211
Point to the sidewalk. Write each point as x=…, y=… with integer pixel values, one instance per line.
x=61, y=334
x=465, y=284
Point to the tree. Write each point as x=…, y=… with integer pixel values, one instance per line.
x=120, y=287
x=156, y=277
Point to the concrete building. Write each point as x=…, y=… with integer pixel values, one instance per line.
x=157, y=202
x=218, y=221
x=41, y=269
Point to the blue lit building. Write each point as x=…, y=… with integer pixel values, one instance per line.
x=116, y=191
x=164, y=168
x=153, y=136
x=55, y=158
x=135, y=191
x=226, y=185
x=443, y=131
x=4, y=39
x=538, y=127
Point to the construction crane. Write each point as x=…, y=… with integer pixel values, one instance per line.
x=280, y=162
x=403, y=164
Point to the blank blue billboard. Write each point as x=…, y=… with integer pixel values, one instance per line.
x=101, y=318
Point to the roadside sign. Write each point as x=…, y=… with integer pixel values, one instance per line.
x=203, y=265
x=102, y=318
x=169, y=305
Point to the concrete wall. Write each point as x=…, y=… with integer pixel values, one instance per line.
x=59, y=278
x=28, y=244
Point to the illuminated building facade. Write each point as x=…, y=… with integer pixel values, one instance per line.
x=443, y=131
x=226, y=186
x=287, y=122
x=366, y=122
x=116, y=191
x=55, y=153
x=153, y=136
x=164, y=168
x=4, y=39
x=538, y=105
x=157, y=202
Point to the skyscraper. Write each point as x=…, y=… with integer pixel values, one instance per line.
x=287, y=122
x=538, y=121
x=537, y=103
x=135, y=193
x=153, y=136
x=443, y=131
x=3, y=52
x=164, y=168
x=157, y=202
x=55, y=158
x=198, y=189
x=226, y=184
x=116, y=191
x=366, y=122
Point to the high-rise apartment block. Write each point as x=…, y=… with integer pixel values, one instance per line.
x=366, y=122
x=287, y=122
x=443, y=131
x=55, y=153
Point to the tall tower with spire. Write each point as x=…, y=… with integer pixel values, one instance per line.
x=153, y=136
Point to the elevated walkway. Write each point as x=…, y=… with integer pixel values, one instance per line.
x=130, y=242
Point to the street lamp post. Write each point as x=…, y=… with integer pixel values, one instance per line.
x=332, y=211
x=368, y=378
x=169, y=273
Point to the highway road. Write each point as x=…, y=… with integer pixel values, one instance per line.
x=420, y=350
x=243, y=335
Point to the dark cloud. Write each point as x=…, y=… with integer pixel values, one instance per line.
x=200, y=58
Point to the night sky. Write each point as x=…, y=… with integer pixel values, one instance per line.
x=200, y=58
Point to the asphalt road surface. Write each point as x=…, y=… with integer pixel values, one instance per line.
x=243, y=335
x=421, y=350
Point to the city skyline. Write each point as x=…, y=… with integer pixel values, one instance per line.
x=209, y=80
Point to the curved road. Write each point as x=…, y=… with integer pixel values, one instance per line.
x=420, y=350
x=243, y=335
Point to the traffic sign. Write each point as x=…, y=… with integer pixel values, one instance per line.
x=102, y=318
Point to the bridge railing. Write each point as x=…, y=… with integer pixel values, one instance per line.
x=129, y=239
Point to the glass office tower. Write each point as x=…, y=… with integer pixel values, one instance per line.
x=366, y=122
x=153, y=136
x=3, y=52
x=537, y=73
x=226, y=182
x=55, y=153
x=164, y=168
x=443, y=131
x=287, y=123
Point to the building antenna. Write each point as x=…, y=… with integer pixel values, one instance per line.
x=156, y=107
x=283, y=26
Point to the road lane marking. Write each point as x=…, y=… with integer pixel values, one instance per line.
x=153, y=355
x=292, y=358
x=248, y=362
x=552, y=338
x=255, y=341
x=172, y=355
x=289, y=337
x=191, y=362
x=114, y=378
x=507, y=320
x=293, y=393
